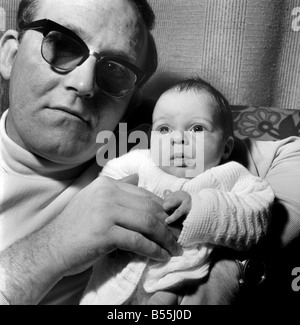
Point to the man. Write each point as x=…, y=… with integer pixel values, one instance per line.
x=56, y=219
x=65, y=88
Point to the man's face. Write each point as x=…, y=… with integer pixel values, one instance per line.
x=180, y=118
x=58, y=115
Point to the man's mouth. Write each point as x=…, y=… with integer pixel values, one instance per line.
x=69, y=111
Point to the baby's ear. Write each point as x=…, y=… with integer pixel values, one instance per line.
x=9, y=45
x=228, y=148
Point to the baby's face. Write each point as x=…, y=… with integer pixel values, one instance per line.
x=191, y=132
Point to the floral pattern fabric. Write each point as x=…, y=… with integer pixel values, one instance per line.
x=264, y=123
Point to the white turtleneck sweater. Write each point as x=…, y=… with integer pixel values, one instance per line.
x=230, y=207
x=34, y=191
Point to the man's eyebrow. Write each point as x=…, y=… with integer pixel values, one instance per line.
x=130, y=56
x=78, y=30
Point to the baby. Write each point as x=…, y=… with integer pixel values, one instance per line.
x=219, y=203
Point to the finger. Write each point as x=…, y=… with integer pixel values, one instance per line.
x=143, y=204
x=163, y=298
x=139, y=191
x=132, y=179
x=149, y=226
x=152, y=196
x=131, y=241
x=172, y=202
x=128, y=187
x=174, y=217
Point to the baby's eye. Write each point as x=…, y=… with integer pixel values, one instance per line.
x=164, y=130
x=197, y=128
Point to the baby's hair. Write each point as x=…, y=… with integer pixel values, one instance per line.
x=197, y=84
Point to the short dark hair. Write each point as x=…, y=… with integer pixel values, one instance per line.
x=28, y=9
x=147, y=13
x=197, y=84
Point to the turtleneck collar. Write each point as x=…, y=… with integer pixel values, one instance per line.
x=19, y=161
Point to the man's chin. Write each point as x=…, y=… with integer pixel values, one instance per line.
x=65, y=157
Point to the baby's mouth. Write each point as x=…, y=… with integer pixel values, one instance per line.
x=179, y=160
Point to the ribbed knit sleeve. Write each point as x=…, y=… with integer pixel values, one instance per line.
x=234, y=214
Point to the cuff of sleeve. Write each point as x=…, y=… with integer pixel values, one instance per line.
x=3, y=301
x=197, y=227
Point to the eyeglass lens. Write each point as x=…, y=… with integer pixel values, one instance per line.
x=64, y=53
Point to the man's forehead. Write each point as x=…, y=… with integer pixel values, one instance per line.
x=117, y=13
x=93, y=4
x=117, y=20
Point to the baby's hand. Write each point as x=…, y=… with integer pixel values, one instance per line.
x=181, y=201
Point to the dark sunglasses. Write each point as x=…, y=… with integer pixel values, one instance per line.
x=64, y=50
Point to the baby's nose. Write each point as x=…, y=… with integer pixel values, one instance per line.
x=179, y=137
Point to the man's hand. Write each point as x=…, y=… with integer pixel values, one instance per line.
x=103, y=217
x=110, y=215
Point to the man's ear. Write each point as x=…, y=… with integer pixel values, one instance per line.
x=228, y=148
x=9, y=45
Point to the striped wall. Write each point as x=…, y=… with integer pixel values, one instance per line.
x=246, y=48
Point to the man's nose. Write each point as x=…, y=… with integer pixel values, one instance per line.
x=82, y=79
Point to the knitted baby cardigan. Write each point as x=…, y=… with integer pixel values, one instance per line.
x=239, y=222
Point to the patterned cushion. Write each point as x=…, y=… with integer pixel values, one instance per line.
x=264, y=123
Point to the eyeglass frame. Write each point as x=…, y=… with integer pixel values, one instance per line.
x=45, y=26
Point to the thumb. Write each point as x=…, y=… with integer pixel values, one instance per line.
x=132, y=179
